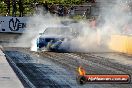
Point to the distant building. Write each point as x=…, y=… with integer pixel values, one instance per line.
x=92, y=8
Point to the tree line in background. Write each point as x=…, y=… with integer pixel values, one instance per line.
x=27, y=7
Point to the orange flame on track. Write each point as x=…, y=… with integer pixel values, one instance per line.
x=81, y=71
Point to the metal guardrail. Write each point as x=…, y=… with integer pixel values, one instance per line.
x=22, y=77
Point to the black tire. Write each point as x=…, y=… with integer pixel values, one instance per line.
x=81, y=80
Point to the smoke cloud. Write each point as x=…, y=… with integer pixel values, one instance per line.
x=36, y=24
x=113, y=18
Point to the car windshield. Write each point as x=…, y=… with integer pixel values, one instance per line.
x=58, y=31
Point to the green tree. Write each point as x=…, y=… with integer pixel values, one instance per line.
x=28, y=5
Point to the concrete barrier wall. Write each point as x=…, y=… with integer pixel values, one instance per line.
x=13, y=24
x=9, y=78
x=121, y=43
x=129, y=45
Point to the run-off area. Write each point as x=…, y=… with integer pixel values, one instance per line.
x=58, y=70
